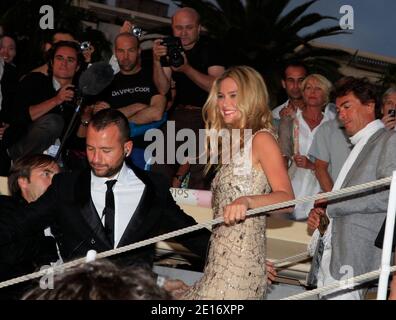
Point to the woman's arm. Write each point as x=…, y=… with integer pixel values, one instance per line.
x=267, y=155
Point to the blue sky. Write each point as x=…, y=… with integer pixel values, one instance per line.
x=374, y=23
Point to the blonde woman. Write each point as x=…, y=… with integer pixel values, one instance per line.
x=296, y=136
x=236, y=267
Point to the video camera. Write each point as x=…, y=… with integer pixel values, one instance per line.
x=174, y=55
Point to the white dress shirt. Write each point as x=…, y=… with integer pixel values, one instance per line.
x=128, y=191
x=278, y=109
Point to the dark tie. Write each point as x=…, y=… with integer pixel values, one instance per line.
x=108, y=211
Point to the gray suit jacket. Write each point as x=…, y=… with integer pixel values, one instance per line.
x=357, y=219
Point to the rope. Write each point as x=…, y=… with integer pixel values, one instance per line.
x=292, y=259
x=339, y=285
x=328, y=195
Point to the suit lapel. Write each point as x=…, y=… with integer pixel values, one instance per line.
x=87, y=207
x=362, y=156
x=136, y=224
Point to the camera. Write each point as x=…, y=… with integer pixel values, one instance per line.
x=85, y=45
x=174, y=55
x=137, y=32
x=77, y=95
x=392, y=112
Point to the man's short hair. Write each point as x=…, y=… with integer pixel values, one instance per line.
x=190, y=11
x=129, y=35
x=102, y=280
x=107, y=117
x=22, y=168
x=361, y=88
x=387, y=93
x=62, y=44
x=295, y=64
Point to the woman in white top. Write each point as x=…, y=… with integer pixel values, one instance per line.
x=296, y=136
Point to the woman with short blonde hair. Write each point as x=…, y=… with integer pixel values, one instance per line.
x=296, y=136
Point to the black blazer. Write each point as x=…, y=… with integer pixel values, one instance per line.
x=24, y=254
x=68, y=208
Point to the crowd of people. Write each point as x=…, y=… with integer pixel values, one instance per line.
x=101, y=192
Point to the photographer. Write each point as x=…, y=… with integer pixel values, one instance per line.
x=133, y=92
x=192, y=76
x=44, y=103
x=388, y=108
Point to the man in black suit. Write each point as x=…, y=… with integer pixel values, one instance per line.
x=86, y=213
x=29, y=178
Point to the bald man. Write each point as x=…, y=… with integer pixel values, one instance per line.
x=192, y=80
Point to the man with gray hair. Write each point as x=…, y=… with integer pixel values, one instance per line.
x=355, y=221
x=388, y=108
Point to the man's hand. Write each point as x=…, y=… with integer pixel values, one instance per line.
x=389, y=121
x=126, y=27
x=321, y=203
x=159, y=50
x=288, y=111
x=65, y=93
x=314, y=218
x=100, y=105
x=271, y=272
x=303, y=162
x=175, y=287
x=236, y=211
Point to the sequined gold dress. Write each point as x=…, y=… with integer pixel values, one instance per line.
x=235, y=267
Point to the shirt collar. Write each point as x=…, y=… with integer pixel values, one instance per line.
x=124, y=177
x=55, y=84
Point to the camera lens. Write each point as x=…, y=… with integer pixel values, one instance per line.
x=137, y=32
x=85, y=45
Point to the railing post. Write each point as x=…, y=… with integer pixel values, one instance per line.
x=388, y=241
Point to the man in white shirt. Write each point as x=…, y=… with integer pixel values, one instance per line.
x=293, y=75
x=355, y=221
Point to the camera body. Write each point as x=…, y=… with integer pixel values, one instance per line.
x=174, y=55
x=77, y=95
x=85, y=45
x=392, y=112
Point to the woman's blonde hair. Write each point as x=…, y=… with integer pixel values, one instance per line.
x=252, y=102
x=323, y=83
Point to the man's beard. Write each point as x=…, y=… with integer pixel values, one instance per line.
x=110, y=172
x=128, y=67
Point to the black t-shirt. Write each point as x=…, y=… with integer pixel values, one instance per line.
x=203, y=55
x=127, y=89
